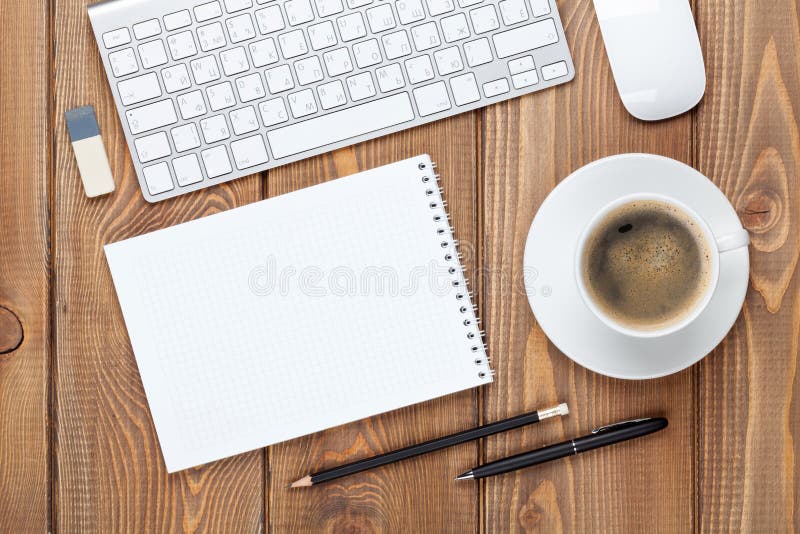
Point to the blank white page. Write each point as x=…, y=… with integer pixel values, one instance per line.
x=298, y=313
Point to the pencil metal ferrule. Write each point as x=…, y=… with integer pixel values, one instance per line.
x=561, y=409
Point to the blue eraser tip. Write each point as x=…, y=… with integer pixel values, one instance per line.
x=82, y=123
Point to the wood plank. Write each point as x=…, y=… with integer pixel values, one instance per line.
x=24, y=266
x=749, y=390
x=110, y=474
x=530, y=145
x=418, y=495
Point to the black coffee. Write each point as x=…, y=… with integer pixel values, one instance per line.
x=647, y=264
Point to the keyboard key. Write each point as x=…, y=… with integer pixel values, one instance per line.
x=123, y=62
x=270, y=19
x=185, y=137
x=249, y=152
x=439, y=7
x=176, y=78
x=338, y=62
x=205, y=70
x=358, y=3
x=380, y=18
x=151, y=116
x=244, y=120
x=525, y=79
x=419, y=69
x=540, y=8
x=448, y=60
x=478, y=52
x=139, y=89
x=465, y=89
x=360, y=86
x=158, y=179
x=293, y=44
x=215, y=129
x=367, y=53
x=187, y=170
x=152, y=54
x=326, y=8
x=221, y=96
x=425, y=36
x=147, y=29
x=484, y=19
x=495, y=87
x=232, y=6
x=152, y=147
x=298, y=11
x=520, y=64
x=556, y=70
x=410, y=11
x=116, y=38
x=273, y=112
x=263, y=52
x=331, y=95
x=432, y=99
x=250, y=87
x=455, y=28
x=340, y=125
x=279, y=79
x=181, y=45
x=207, y=11
x=513, y=11
x=216, y=161
x=396, y=44
x=302, y=103
x=322, y=35
x=525, y=38
x=308, y=70
x=351, y=27
x=234, y=61
x=468, y=3
x=174, y=21
x=211, y=37
x=240, y=28
x=192, y=105
x=390, y=78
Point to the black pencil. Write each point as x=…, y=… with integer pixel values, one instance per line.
x=429, y=446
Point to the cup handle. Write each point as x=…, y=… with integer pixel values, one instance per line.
x=738, y=239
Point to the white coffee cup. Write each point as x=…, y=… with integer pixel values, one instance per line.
x=716, y=244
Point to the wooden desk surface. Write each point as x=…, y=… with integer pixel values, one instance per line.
x=78, y=452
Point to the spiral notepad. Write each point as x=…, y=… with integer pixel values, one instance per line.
x=299, y=313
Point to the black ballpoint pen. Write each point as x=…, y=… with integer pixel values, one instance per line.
x=600, y=437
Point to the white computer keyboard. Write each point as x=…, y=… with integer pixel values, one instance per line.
x=212, y=91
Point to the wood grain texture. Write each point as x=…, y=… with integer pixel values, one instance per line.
x=727, y=463
x=24, y=266
x=417, y=495
x=749, y=390
x=530, y=144
x=110, y=475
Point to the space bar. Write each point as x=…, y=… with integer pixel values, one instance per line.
x=341, y=125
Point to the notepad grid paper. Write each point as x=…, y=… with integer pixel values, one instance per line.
x=248, y=329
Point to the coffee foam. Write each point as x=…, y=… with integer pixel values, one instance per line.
x=647, y=264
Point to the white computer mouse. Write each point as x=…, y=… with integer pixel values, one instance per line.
x=655, y=55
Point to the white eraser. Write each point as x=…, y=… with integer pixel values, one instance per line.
x=90, y=152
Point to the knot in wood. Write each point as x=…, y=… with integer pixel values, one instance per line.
x=761, y=212
x=11, y=333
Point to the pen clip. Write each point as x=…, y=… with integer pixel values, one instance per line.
x=621, y=424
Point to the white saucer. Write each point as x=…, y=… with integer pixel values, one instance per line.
x=553, y=291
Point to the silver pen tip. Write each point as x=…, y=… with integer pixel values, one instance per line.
x=465, y=476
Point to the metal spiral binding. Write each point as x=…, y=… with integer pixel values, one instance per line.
x=471, y=320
